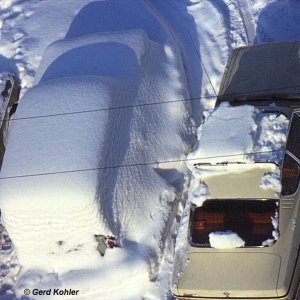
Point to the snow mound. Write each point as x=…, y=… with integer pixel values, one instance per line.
x=275, y=232
x=278, y=21
x=60, y=118
x=225, y=240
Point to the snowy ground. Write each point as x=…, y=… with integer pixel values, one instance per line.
x=177, y=49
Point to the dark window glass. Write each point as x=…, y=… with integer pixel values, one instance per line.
x=293, y=142
x=250, y=219
x=290, y=176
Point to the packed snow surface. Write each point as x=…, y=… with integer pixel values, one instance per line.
x=225, y=240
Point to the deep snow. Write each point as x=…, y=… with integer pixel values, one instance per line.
x=70, y=183
x=187, y=44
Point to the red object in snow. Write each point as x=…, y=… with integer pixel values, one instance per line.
x=111, y=242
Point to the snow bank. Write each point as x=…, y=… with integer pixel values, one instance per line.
x=122, y=274
x=9, y=266
x=225, y=240
x=182, y=244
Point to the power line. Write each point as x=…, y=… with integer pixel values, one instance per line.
x=205, y=70
x=139, y=164
x=166, y=102
x=114, y=108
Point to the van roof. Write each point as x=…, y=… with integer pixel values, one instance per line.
x=240, y=180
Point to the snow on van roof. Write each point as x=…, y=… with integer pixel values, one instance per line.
x=235, y=181
x=240, y=134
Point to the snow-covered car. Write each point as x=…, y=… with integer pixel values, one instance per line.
x=241, y=221
x=78, y=173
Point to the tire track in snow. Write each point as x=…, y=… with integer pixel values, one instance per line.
x=246, y=16
x=224, y=13
x=237, y=21
x=211, y=40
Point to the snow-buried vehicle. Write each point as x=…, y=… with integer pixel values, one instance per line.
x=78, y=161
x=239, y=235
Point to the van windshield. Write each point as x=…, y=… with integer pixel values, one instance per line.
x=252, y=220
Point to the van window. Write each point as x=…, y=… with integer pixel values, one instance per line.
x=289, y=176
x=293, y=142
x=250, y=219
x=290, y=169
